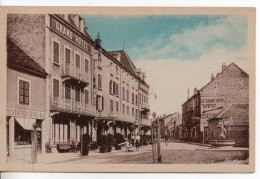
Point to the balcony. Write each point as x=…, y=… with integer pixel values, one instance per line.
x=72, y=106
x=145, y=107
x=75, y=76
x=146, y=122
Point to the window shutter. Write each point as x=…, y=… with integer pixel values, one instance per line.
x=114, y=88
x=110, y=87
x=55, y=88
x=97, y=102
x=77, y=61
x=86, y=65
x=67, y=55
x=102, y=103
x=56, y=52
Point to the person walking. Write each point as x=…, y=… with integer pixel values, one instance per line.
x=137, y=141
x=166, y=139
x=133, y=139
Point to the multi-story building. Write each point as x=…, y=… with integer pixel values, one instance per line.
x=88, y=90
x=25, y=101
x=231, y=86
x=172, y=125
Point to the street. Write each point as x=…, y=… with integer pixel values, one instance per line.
x=174, y=153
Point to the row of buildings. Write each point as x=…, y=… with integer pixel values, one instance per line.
x=224, y=101
x=66, y=83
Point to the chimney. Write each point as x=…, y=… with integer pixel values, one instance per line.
x=212, y=76
x=188, y=93
x=98, y=40
x=224, y=66
x=195, y=90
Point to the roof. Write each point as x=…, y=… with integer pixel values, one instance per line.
x=17, y=58
x=218, y=74
x=235, y=110
x=125, y=61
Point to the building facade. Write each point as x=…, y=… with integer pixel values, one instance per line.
x=25, y=107
x=88, y=89
x=231, y=86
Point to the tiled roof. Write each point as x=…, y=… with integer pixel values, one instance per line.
x=17, y=58
x=125, y=61
x=235, y=110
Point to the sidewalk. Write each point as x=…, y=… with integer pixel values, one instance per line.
x=55, y=157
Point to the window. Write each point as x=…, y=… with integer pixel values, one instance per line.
x=100, y=103
x=117, y=90
x=123, y=108
x=123, y=91
x=77, y=94
x=77, y=56
x=67, y=56
x=56, y=88
x=136, y=113
x=133, y=98
x=133, y=112
x=114, y=88
x=23, y=92
x=86, y=65
x=111, y=105
x=127, y=95
x=67, y=91
x=140, y=95
x=86, y=96
x=111, y=87
x=127, y=109
x=136, y=99
x=99, y=81
x=56, y=52
x=117, y=107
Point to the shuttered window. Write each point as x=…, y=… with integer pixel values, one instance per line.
x=56, y=89
x=99, y=81
x=86, y=65
x=123, y=91
x=56, y=52
x=67, y=91
x=86, y=96
x=77, y=94
x=127, y=95
x=77, y=60
x=67, y=55
x=123, y=108
x=23, y=92
x=117, y=107
x=111, y=105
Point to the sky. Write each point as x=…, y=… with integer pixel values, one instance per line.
x=176, y=52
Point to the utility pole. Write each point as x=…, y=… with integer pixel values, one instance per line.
x=156, y=140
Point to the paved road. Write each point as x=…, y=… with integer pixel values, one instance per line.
x=174, y=153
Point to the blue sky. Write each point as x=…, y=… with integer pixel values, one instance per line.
x=184, y=37
x=176, y=52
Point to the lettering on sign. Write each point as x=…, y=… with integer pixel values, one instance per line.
x=69, y=34
x=211, y=105
x=239, y=128
x=24, y=113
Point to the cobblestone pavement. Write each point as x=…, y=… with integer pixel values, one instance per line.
x=175, y=152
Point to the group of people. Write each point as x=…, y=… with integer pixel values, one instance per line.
x=134, y=140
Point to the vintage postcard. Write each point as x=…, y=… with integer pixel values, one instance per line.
x=127, y=89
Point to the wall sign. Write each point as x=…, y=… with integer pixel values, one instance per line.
x=24, y=113
x=211, y=105
x=69, y=34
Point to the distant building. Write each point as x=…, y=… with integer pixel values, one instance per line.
x=231, y=86
x=170, y=125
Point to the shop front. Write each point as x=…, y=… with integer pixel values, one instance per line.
x=19, y=125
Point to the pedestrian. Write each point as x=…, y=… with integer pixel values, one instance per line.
x=137, y=141
x=166, y=139
x=129, y=137
x=133, y=139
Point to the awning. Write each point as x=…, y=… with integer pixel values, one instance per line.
x=26, y=123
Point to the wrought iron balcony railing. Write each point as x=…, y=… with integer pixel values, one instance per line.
x=72, y=106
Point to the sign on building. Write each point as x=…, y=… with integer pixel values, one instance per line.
x=211, y=105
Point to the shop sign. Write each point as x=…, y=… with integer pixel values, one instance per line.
x=69, y=34
x=211, y=105
x=239, y=128
x=24, y=113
